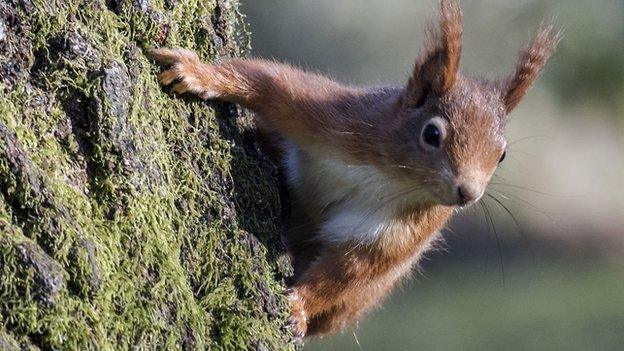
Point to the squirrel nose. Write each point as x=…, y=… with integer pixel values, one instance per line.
x=468, y=193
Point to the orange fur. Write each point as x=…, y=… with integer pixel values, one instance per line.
x=370, y=189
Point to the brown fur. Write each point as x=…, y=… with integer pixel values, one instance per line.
x=532, y=60
x=362, y=158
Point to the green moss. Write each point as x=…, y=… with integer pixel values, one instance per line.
x=130, y=219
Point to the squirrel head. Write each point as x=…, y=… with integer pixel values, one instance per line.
x=449, y=130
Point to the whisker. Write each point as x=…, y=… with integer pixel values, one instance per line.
x=514, y=219
x=532, y=190
x=528, y=138
x=357, y=341
x=526, y=204
x=521, y=153
x=489, y=238
x=498, y=245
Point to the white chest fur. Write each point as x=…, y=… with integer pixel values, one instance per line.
x=351, y=203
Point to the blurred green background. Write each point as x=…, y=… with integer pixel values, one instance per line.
x=550, y=276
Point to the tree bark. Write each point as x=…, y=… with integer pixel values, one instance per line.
x=130, y=218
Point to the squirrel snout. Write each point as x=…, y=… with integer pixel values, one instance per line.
x=468, y=193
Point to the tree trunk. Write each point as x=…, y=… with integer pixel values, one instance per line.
x=129, y=218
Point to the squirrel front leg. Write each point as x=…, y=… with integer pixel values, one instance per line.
x=304, y=107
x=318, y=114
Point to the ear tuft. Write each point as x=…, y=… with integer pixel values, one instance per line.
x=451, y=39
x=437, y=66
x=533, y=58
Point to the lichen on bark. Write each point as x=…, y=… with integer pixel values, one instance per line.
x=130, y=219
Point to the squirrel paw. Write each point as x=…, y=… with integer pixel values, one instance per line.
x=298, y=321
x=186, y=70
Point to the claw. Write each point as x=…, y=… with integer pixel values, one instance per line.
x=165, y=56
x=184, y=72
x=298, y=320
x=180, y=88
x=167, y=77
x=295, y=328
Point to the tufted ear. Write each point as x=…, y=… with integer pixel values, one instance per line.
x=533, y=58
x=437, y=67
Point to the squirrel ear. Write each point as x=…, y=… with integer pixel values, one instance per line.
x=437, y=67
x=533, y=58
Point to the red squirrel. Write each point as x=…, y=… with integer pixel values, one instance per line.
x=374, y=173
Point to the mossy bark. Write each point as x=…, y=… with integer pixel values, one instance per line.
x=129, y=218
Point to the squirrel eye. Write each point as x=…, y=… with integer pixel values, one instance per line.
x=431, y=135
x=502, y=157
